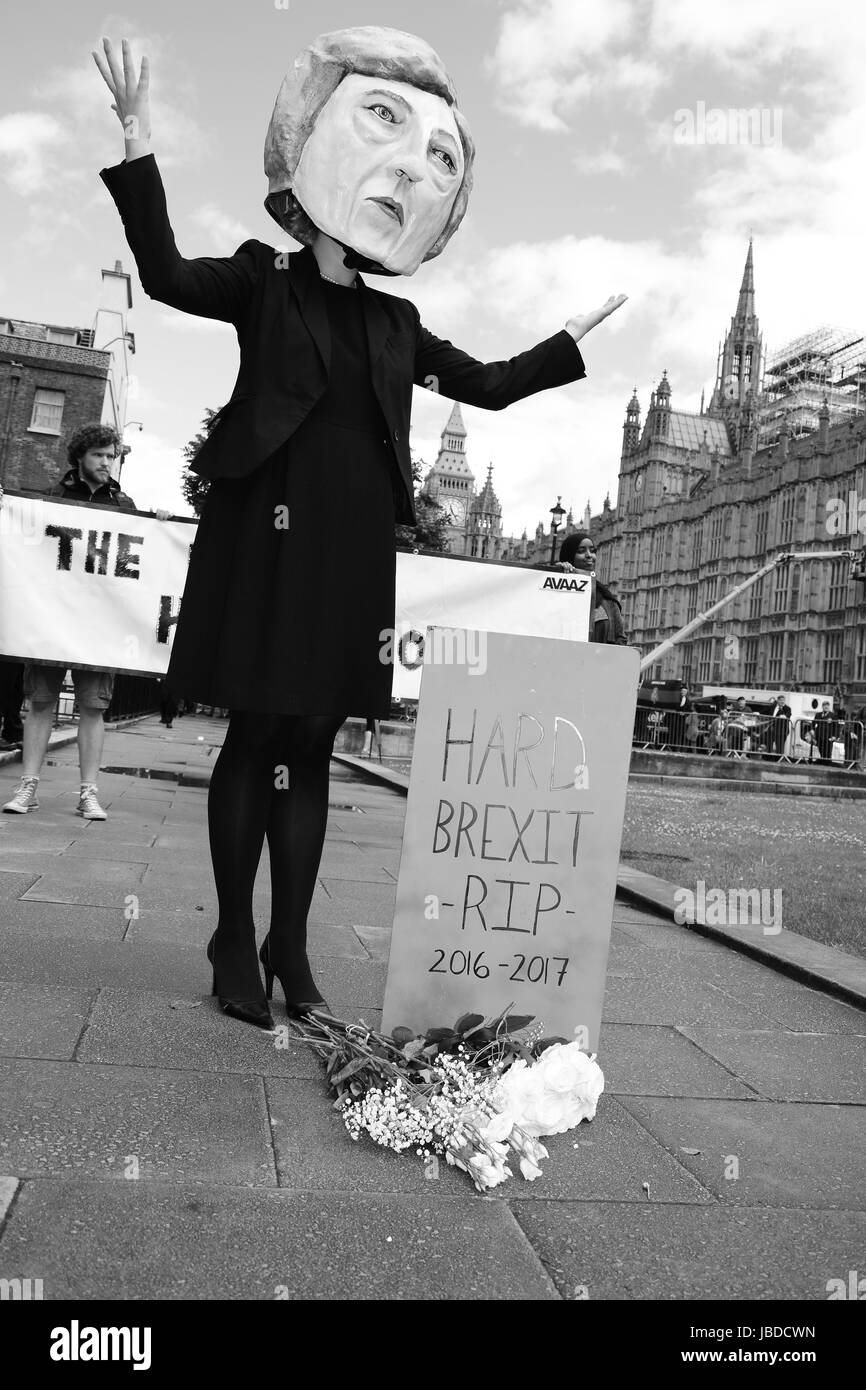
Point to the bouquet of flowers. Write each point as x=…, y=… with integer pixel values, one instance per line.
x=479, y=1094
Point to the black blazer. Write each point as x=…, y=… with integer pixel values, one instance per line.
x=276, y=304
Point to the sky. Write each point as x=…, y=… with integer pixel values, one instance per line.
x=600, y=169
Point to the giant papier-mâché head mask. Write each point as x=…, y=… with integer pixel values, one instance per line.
x=366, y=144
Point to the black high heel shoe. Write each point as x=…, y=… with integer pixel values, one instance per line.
x=253, y=1011
x=294, y=1008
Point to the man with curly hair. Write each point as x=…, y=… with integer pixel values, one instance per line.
x=91, y=452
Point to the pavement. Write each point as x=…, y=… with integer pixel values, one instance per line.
x=153, y=1148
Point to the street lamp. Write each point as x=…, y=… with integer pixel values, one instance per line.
x=128, y=338
x=556, y=514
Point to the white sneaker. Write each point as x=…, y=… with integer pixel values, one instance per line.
x=25, y=798
x=88, y=806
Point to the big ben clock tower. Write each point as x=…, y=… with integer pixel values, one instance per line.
x=450, y=482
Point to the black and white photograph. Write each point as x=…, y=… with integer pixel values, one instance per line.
x=432, y=671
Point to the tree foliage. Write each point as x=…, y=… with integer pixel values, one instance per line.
x=195, y=488
x=430, y=532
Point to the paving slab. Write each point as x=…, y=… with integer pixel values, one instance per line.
x=78, y=962
x=609, y=1160
x=625, y=911
x=790, y=1004
x=132, y=832
x=196, y=928
x=159, y=893
x=188, y=1033
x=62, y=1118
x=41, y=1021
x=137, y=1240
x=144, y=800
x=655, y=992
x=93, y=882
x=660, y=1061
x=791, y=1066
x=376, y=940
x=342, y=872
x=174, y=839
x=30, y=836
x=130, y=851
x=315, y=1153
x=786, y=1155
x=14, y=882
x=8, y=1189
x=371, y=904
x=350, y=985
x=665, y=936
x=46, y=920
x=627, y=1252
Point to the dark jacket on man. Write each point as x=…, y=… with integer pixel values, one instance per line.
x=109, y=494
x=276, y=304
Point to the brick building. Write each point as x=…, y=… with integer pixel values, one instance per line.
x=701, y=507
x=54, y=379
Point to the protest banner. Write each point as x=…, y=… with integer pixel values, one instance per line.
x=90, y=586
x=463, y=599
x=95, y=586
x=512, y=837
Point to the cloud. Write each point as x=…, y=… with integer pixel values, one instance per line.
x=30, y=146
x=225, y=232
x=551, y=57
x=178, y=321
x=151, y=474
x=608, y=161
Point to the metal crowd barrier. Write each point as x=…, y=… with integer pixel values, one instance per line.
x=836, y=742
x=839, y=742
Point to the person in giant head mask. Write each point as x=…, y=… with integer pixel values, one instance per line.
x=369, y=163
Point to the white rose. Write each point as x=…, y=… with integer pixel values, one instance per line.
x=566, y=1070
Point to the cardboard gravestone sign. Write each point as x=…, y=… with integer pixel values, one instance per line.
x=512, y=836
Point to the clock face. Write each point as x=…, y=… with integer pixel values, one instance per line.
x=638, y=482
x=455, y=510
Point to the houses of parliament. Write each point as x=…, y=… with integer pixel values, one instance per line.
x=774, y=463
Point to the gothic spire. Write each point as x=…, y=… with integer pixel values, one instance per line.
x=455, y=425
x=746, y=301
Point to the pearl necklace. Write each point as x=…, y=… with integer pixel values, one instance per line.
x=353, y=284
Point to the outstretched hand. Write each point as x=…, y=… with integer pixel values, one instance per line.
x=131, y=94
x=581, y=324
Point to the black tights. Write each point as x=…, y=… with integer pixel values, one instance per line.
x=270, y=779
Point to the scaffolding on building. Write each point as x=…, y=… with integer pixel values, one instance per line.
x=826, y=364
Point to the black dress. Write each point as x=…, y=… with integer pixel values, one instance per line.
x=290, y=618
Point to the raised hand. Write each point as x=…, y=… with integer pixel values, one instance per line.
x=581, y=324
x=131, y=94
